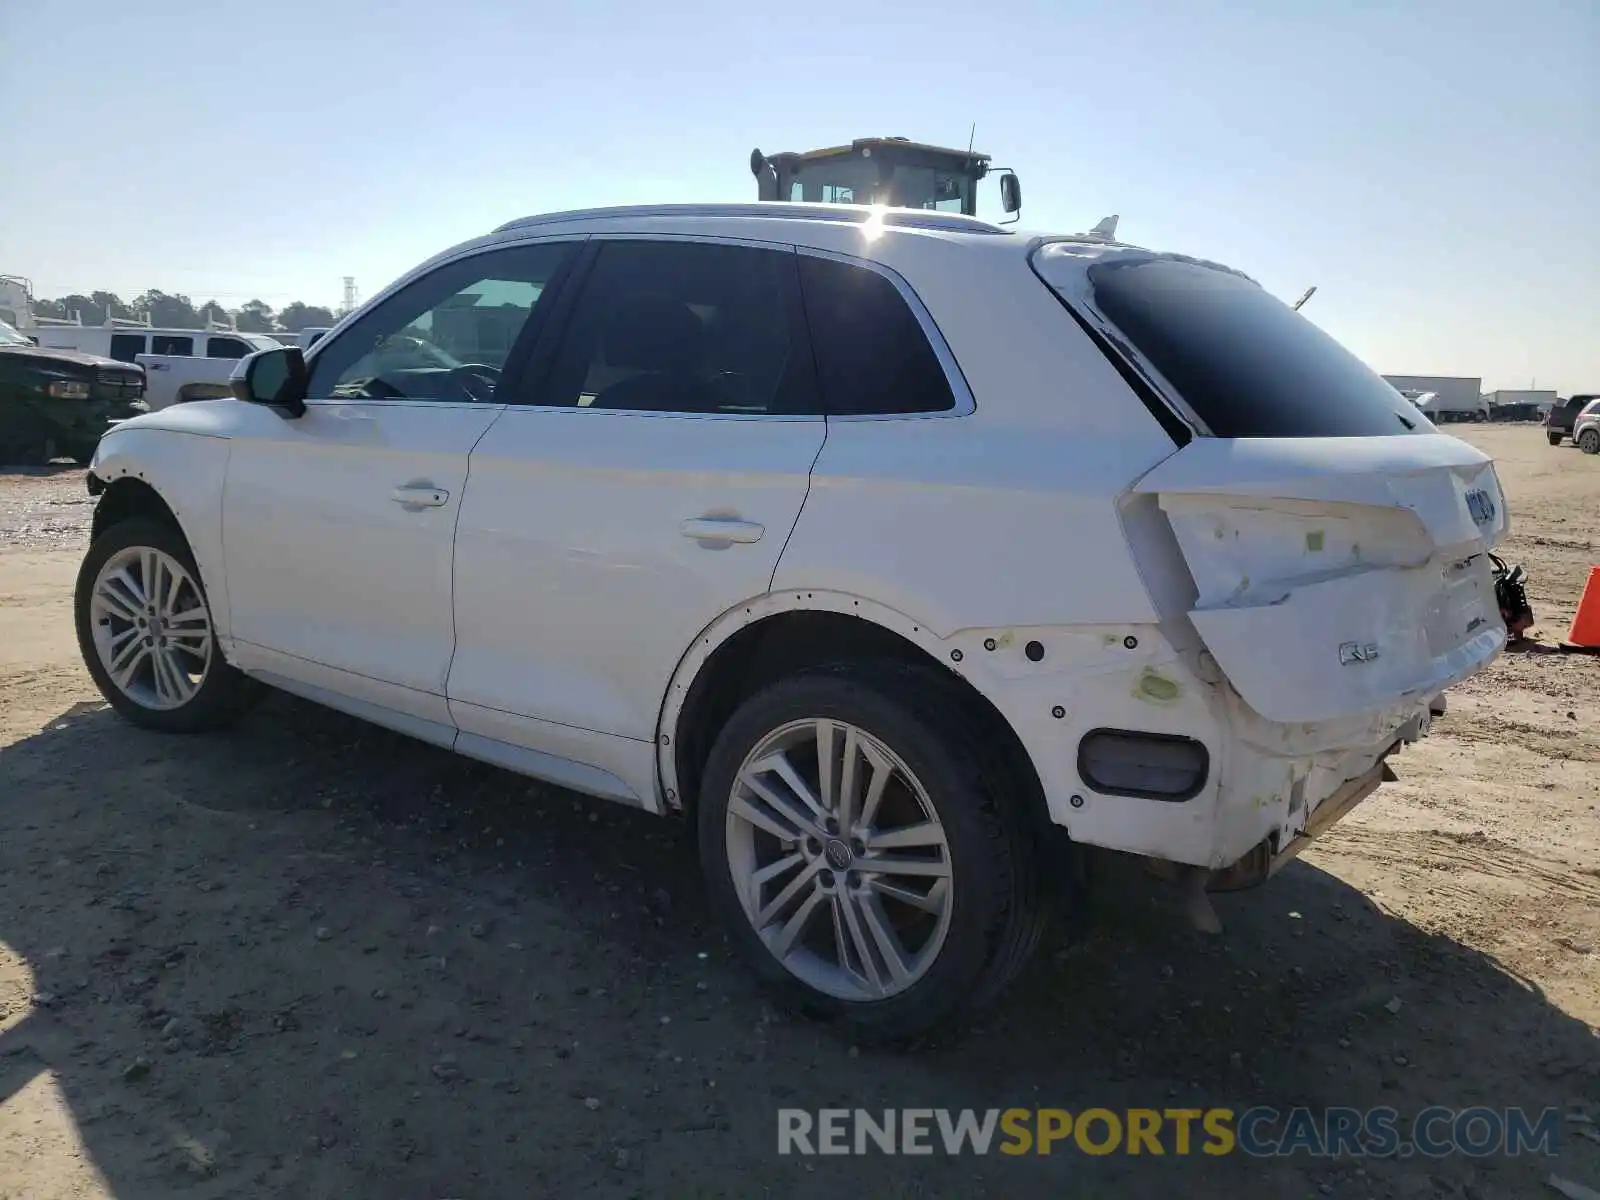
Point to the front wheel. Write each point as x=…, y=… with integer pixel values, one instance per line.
x=23, y=450
x=1589, y=441
x=1554, y=438
x=864, y=861
x=146, y=635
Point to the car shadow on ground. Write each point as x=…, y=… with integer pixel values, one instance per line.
x=312, y=958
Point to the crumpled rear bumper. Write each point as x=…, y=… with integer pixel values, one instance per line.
x=1316, y=800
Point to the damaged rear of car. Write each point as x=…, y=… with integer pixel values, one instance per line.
x=1336, y=546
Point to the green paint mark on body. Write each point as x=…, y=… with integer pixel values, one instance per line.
x=1156, y=688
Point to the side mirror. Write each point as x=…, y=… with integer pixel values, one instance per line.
x=275, y=378
x=1010, y=193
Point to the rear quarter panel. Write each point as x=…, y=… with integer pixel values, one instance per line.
x=977, y=535
x=1004, y=517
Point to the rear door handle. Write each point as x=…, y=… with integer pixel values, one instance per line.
x=420, y=496
x=721, y=529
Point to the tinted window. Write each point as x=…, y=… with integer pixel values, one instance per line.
x=872, y=356
x=691, y=327
x=444, y=337
x=125, y=345
x=1245, y=362
x=167, y=344
x=226, y=347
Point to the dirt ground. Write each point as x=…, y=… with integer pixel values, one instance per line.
x=313, y=959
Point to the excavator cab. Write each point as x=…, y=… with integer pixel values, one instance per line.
x=895, y=172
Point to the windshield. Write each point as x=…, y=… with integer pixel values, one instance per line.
x=857, y=181
x=10, y=337
x=1246, y=363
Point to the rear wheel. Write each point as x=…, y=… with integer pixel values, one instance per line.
x=1589, y=441
x=859, y=854
x=1555, y=438
x=146, y=635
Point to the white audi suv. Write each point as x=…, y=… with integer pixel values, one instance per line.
x=894, y=549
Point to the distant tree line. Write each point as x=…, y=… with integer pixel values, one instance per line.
x=179, y=312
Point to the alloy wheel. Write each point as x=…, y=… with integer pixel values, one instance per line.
x=151, y=627
x=839, y=859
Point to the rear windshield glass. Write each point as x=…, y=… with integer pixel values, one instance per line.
x=1244, y=361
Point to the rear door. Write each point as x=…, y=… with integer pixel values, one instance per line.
x=1337, y=541
x=645, y=484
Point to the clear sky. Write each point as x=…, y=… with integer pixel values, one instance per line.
x=1433, y=167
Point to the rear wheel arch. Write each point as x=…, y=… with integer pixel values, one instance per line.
x=782, y=634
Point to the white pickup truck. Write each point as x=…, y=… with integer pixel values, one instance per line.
x=174, y=377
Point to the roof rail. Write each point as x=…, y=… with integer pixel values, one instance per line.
x=900, y=218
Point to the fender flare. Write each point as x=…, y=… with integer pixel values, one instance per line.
x=759, y=608
x=119, y=458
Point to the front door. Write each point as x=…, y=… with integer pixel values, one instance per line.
x=338, y=526
x=647, y=485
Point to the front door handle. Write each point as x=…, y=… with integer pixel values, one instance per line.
x=420, y=496
x=721, y=529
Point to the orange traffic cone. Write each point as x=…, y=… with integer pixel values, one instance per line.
x=1584, y=636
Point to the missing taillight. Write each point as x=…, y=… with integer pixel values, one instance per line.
x=1150, y=766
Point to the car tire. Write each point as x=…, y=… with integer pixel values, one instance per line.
x=1554, y=438
x=1589, y=441
x=959, y=929
x=25, y=448
x=155, y=659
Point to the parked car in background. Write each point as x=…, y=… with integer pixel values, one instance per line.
x=180, y=365
x=904, y=557
x=1586, y=427
x=1564, y=415
x=57, y=403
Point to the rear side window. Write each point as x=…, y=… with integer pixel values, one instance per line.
x=226, y=347
x=685, y=327
x=168, y=344
x=1245, y=362
x=872, y=355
